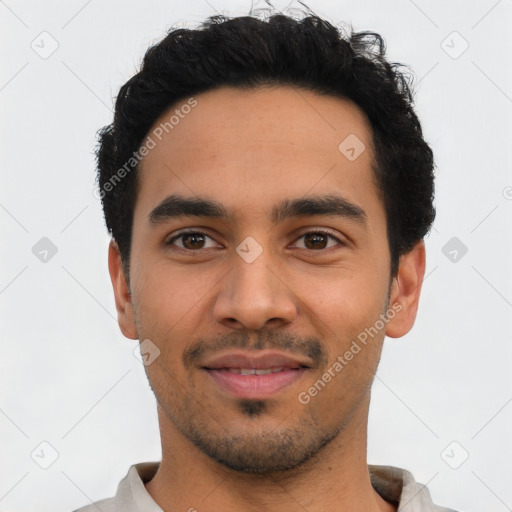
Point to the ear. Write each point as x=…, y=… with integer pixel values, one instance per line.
x=405, y=290
x=125, y=314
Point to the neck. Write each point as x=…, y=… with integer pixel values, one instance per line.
x=336, y=478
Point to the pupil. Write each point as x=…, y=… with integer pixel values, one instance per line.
x=316, y=238
x=194, y=237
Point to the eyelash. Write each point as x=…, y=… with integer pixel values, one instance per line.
x=313, y=232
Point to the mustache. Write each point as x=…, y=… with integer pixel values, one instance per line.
x=305, y=346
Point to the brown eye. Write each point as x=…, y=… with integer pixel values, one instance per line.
x=319, y=240
x=191, y=241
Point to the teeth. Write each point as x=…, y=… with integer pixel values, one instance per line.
x=263, y=372
x=253, y=371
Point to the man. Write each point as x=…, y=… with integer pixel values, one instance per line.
x=267, y=188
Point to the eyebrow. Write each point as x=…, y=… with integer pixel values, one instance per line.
x=175, y=206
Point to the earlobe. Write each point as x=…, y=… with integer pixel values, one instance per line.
x=125, y=313
x=406, y=289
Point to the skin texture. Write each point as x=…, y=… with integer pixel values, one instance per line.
x=249, y=150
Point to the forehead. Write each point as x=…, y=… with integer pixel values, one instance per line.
x=247, y=148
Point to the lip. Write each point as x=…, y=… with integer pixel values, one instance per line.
x=255, y=386
x=259, y=360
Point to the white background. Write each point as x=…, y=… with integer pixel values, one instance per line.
x=68, y=377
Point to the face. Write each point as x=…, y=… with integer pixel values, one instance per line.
x=259, y=257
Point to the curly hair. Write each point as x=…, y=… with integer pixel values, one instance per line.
x=248, y=52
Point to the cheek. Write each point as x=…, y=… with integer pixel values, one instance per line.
x=345, y=316
x=172, y=304
x=166, y=294
x=344, y=312
x=343, y=297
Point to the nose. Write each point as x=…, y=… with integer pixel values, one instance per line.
x=255, y=296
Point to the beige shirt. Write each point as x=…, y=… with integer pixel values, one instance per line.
x=393, y=484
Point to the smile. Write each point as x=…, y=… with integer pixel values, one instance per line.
x=252, y=371
x=252, y=383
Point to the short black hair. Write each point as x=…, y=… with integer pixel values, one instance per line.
x=248, y=52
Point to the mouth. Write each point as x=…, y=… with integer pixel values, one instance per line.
x=254, y=383
x=244, y=375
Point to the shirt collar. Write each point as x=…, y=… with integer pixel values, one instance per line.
x=394, y=484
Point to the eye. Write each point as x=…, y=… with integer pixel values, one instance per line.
x=191, y=240
x=317, y=240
